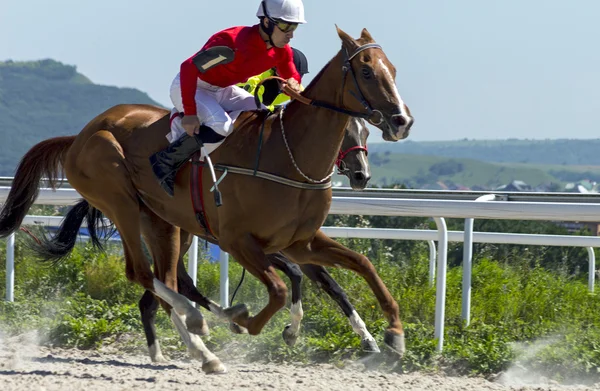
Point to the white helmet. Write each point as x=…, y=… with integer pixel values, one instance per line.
x=291, y=11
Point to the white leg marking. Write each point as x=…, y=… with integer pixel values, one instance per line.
x=181, y=304
x=194, y=343
x=297, y=314
x=155, y=353
x=217, y=310
x=359, y=327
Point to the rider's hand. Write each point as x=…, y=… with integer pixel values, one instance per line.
x=191, y=124
x=294, y=85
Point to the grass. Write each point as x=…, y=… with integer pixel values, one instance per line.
x=86, y=302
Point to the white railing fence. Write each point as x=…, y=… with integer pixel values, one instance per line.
x=569, y=209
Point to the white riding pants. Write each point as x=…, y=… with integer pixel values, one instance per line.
x=216, y=107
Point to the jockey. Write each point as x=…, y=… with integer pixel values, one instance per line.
x=205, y=89
x=270, y=91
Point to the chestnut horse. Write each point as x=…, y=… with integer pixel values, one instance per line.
x=108, y=164
x=352, y=162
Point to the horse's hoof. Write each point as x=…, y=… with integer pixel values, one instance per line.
x=369, y=346
x=197, y=324
x=156, y=355
x=214, y=367
x=237, y=311
x=289, y=337
x=395, y=342
x=237, y=329
x=159, y=359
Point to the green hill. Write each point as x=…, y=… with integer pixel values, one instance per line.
x=424, y=171
x=43, y=99
x=556, y=152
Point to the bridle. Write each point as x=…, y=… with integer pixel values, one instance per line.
x=341, y=165
x=346, y=68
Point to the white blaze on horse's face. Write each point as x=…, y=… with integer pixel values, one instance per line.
x=399, y=124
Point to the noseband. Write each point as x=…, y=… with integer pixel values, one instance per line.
x=341, y=165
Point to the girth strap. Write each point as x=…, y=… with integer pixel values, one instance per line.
x=196, y=192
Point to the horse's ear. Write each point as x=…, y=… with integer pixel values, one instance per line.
x=347, y=41
x=364, y=34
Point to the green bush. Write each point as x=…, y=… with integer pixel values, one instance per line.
x=86, y=301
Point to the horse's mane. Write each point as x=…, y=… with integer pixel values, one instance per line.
x=318, y=77
x=247, y=125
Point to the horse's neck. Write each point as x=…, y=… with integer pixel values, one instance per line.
x=315, y=134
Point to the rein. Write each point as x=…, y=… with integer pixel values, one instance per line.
x=318, y=103
x=324, y=182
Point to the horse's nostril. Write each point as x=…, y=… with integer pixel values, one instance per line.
x=359, y=176
x=398, y=120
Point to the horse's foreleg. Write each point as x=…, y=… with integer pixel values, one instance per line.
x=325, y=251
x=325, y=281
x=291, y=331
x=246, y=250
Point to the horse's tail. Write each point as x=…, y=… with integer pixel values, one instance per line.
x=60, y=245
x=42, y=160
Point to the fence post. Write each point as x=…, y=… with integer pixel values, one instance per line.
x=468, y=263
x=432, y=256
x=193, y=260
x=440, y=290
x=10, y=268
x=591, y=268
x=224, y=278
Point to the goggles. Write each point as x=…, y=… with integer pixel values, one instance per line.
x=285, y=27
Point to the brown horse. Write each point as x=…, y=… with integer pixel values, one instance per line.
x=107, y=163
x=352, y=162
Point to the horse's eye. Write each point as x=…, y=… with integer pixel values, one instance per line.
x=366, y=72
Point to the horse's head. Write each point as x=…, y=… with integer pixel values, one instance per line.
x=370, y=86
x=352, y=160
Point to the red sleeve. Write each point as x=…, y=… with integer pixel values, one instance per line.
x=285, y=66
x=189, y=73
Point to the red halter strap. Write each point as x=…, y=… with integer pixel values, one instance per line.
x=343, y=154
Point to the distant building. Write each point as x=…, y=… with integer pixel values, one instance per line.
x=575, y=226
x=584, y=186
x=515, y=186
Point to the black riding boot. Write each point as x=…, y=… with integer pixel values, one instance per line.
x=167, y=162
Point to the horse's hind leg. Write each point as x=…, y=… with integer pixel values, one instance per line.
x=185, y=286
x=325, y=281
x=291, y=331
x=163, y=241
x=148, y=306
x=322, y=250
x=98, y=172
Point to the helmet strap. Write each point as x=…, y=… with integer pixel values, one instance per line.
x=268, y=30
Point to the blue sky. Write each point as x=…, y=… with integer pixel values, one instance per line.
x=477, y=69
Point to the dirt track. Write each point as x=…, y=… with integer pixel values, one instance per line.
x=29, y=367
